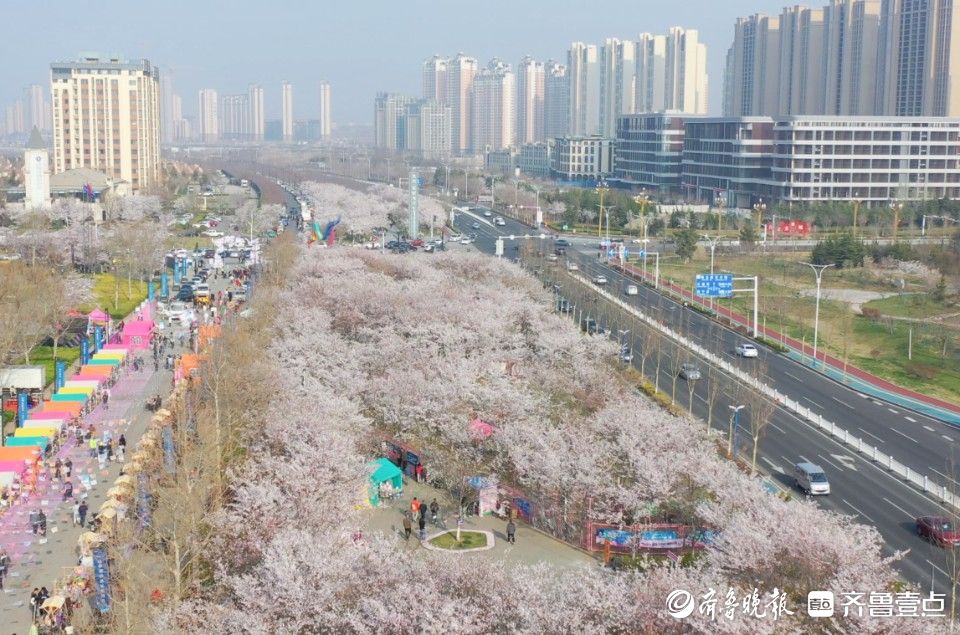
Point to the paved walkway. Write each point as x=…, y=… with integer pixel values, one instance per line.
x=37, y=562
x=531, y=547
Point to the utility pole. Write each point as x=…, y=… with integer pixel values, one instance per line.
x=601, y=189
x=897, y=207
x=818, y=271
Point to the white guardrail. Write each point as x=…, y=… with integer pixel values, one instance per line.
x=923, y=482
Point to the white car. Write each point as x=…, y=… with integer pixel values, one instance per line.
x=179, y=312
x=600, y=279
x=552, y=258
x=572, y=266
x=487, y=213
x=466, y=240
x=212, y=233
x=746, y=349
x=631, y=289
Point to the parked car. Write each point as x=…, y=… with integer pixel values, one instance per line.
x=499, y=222
x=811, y=479
x=487, y=213
x=572, y=266
x=690, y=372
x=202, y=291
x=416, y=242
x=552, y=257
x=746, y=349
x=428, y=249
x=392, y=244
x=564, y=306
x=631, y=289
x=589, y=326
x=600, y=279
x=938, y=530
x=466, y=240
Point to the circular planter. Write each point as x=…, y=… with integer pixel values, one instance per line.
x=488, y=535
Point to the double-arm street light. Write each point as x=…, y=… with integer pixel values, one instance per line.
x=734, y=422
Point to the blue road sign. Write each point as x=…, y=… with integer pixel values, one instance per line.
x=714, y=285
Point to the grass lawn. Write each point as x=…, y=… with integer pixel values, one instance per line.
x=105, y=289
x=43, y=356
x=918, y=305
x=468, y=540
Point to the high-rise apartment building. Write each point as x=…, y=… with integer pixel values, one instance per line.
x=235, y=117
x=257, y=118
x=530, y=101
x=686, y=72
x=388, y=120
x=106, y=116
x=435, y=79
x=167, y=120
x=617, y=70
x=33, y=98
x=324, y=113
x=182, y=130
x=426, y=124
x=286, y=111
x=651, y=74
x=583, y=72
x=209, y=116
x=493, y=108
x=556, y=101
x=460, y=73
x=851, y=57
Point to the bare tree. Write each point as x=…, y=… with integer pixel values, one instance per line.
x=761, y=408
x=714, y=386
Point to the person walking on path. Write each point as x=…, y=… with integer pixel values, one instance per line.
x=407, y=527
x=106, y=399
x=414, y=506
x=82, y=510
x=423, y=527
x=121, y=449
x=434, y=510
x=4, y=564
x=34, y=602
x=76, y=514
x=92, y=445
x=67, y=490
x=67, y=468
x=35, y=521
x=511, y=532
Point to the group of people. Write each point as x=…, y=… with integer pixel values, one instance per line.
x=418, y=511
x=107, y=449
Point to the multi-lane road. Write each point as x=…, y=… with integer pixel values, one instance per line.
x=859, y=487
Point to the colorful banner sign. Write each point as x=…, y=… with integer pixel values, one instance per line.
x=84, y=351
x=23, y=405
x=97, y=338
x=101, y=578
x=164, y=285
x=151, y=291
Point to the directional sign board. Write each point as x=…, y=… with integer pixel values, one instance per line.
x=714, y=285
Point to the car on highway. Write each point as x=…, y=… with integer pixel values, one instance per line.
x=626, y=355
x=179, y=312
x=561, y=242
x=637, y=241
x=475, y=226
x=487, y=213
x=631, y=290
x=600, y=279
x=811, y=479
x=466, y=240
x=572, y=266
x=202, y=290
x=690, y=372
x=938, y=530
x=564, y=306
x=499, y=222
x=552, y=257
x=746, y=349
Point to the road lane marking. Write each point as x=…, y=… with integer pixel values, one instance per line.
x=813, y=402
x=929, y=428
x=910, y=419
x=772, y=465
x=789, y=374
x=939, y=569
x=903, y=435
x=863, y=395
x=872, y=435
x=947, y=438
x=844, y=501
x=830, y=463
x=844, y=403
x=895, y=506
x=893, y=411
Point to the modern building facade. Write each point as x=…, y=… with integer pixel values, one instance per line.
x=325, y=127
x=257, y=115
x=426, y=125
x=286, y=110
x=435, y=79
x=106, y=116
x=617, y=71
x=556, y=101
x=235, y=117
x=167, y=114
x=530, y=101
x=582, y=158
x=649, y=151
x=388, y=120
x=209, y=116
x=851, y=57
x=533, y=159
x=493, y=107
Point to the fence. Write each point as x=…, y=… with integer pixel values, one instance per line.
x=923, y=482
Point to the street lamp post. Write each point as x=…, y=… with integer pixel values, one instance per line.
x=760, y=208
x=601, y=189
x=734, y=422
x=896, y=207
x=713, y=247
x=818, y=272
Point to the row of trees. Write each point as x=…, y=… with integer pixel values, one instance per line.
x=368, y=346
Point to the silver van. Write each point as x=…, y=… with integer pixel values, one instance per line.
x=811, y=479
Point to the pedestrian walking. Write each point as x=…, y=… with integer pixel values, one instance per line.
x=434, y=509
x=414, y=506
x=92, y=446
x=35, y=521
x=57, y=468
x=34, y=602
x=418, y=472
x=4, y=564
x=511, y=532
x=67, y=490
x=106, y=399
x=43, y=523
x=423, y=528
x=83, y=512
x=67, y=468
x=76, y=514
x=407, y=527
x=122, y=449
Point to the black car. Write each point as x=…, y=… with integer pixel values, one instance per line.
x=589, y=326
x=564, y=306
x=210, y=253
x=185, y=295
x=392, y=244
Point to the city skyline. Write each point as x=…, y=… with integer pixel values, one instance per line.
x=230, y=65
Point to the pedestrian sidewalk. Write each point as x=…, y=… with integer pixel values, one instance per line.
x=531, y=547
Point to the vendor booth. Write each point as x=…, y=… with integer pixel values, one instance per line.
x=136, y=335
x=99, y=317
x=40, y=442
x=76, y=390
x=385, y=479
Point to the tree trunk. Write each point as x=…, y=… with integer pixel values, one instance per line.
x=753, y=463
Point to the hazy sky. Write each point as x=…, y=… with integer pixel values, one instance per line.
x=360, y=46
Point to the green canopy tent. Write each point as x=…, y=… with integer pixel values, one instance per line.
x=383, y=471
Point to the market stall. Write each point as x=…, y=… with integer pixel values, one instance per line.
x=385, y=480
x=77, y=390
x=136, y=334
x=41, y=442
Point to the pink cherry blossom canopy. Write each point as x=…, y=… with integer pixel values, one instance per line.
x=480, y=429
